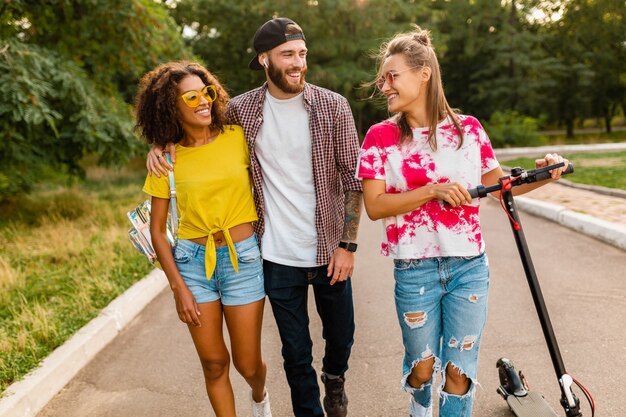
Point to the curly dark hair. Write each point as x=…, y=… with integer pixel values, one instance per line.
x=155, y=103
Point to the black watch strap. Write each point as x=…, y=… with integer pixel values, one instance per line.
x=349, y=246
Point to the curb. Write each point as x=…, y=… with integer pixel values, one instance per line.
x=608, y=232
x=25, y=398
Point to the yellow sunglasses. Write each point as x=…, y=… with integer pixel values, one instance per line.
x=192, y=97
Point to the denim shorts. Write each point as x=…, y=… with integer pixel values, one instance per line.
x=441, y=305
x=232, y=288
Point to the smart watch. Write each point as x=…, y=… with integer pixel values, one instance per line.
x=349, y=246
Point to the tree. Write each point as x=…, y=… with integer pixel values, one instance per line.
x=68, y=71
x=602, y=33
x=493, y=60
x=569, y=97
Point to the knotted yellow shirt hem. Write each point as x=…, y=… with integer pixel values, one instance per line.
x=210, y=257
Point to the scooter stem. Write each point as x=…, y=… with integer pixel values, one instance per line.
x=568, y=400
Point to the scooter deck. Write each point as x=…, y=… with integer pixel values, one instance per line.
x=531, y=405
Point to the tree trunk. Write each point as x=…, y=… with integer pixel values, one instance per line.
x=512, y=73
x=569, y=123
x=608, y=115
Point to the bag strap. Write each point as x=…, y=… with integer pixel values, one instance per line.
x=173, y=207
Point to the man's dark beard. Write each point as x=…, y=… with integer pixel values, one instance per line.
x=281, y=82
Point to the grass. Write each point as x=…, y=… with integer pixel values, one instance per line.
x=605, y=169
x=64, y=256
x=587, y=138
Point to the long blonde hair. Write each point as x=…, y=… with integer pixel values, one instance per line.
x=417, y=49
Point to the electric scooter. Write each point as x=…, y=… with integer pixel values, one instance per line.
x=513, y=387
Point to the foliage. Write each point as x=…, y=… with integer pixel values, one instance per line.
x=493, y=60
x=601, y=27
x=68, y=70
x=495, y=55
x=502, y=56
x=51, y=116
x=509, y=128
x=113, y=41
x=568, y=98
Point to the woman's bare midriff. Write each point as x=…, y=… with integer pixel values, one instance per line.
x=237, y=233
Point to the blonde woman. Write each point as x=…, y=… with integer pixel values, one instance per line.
x=416, y=168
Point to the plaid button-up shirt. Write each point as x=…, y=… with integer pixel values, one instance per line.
x=335, y=150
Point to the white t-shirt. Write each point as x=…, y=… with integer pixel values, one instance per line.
x=283, y=148
x=434, y=229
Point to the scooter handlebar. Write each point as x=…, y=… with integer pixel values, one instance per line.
x=545, y=174
x=519, y=176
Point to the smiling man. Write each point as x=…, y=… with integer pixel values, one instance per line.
x=303, y=150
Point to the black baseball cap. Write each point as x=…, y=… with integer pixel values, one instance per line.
x=269, y=36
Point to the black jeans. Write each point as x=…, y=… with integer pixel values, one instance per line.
x=287, y=288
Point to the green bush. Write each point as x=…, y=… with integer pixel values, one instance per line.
x=510, y=128
x=51, y=115
x=68, y=72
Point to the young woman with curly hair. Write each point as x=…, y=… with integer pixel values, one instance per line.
x=215, y=269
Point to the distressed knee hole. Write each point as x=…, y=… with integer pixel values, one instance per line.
x=422, y=370
x=456, y=377
x=473, y=298
x=415, y=319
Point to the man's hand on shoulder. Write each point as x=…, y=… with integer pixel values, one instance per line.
x=156, y=163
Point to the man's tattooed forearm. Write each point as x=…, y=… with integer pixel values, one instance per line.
x=354, y=202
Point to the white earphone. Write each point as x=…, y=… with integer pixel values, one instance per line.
x=265, y=62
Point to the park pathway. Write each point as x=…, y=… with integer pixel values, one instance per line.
x=151, y=368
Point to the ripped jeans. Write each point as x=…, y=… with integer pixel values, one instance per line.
x=442, y=309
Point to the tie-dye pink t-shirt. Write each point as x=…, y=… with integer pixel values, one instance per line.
x=434, y=229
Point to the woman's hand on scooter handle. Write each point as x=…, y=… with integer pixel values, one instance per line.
x=451, y=193
x=551, y=159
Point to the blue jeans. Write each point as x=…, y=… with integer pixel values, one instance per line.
x=287, y=289
x=230, y=287
x=442, y=309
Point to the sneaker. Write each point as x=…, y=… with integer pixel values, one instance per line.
x=418, y=410
x=335, y=401
x=261, y=409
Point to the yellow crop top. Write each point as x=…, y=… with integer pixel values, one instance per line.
x=213, y=190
